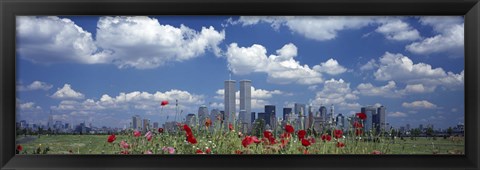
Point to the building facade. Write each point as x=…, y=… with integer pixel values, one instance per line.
x=229, y=102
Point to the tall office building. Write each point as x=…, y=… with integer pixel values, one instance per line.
x=369, y=111
x=214, y=116
x=269, y=112
x=310, y=117
x=191, y=120
x=229, y=102
x=299, y=110
x=155, y=125
x=286, y=111
x=332, y=114
x=252, y=117
x=136, y=122
x=323, y=113
x=381, y=118
x=202, y=115
x=146, y=125
x=340, y=120
x=246, y=101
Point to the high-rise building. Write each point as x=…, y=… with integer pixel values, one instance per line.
x=245, y=101
x=229, y=102
x=323, y=113
x=191, y=120
x=146, y=125
x=202, y=115
x=252, y=117
x=340, y=120
x=136, y=122
x=332, y=114
x=269, y=111
x=286, y=111
x=310, y=116
x=408, y=127
x=155, y=125
x=214, y=115
x=369, y=111
x=375, y=118
x=299, y=110
x=381, y=119
x=261, y=115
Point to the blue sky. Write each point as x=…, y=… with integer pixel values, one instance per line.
x=103, y=70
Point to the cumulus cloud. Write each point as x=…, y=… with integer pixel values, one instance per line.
x=370, y=65
x=336, y=92
x=450, y=37
x=281, y=68
x=400, y=68
x=52, y=39
x=389, y=90
x=35, y=85
x=423, y=104
x=138, y=42
x=397, y=114
x=331, y=67
x=418, y=88
x=28, y=106
x=398, y=30
x=66, y=92
x=142, y=42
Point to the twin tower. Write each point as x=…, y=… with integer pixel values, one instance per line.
x=245, y=103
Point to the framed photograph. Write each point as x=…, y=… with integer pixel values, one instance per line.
x=251, y=84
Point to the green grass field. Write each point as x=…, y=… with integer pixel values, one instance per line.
x=229, y=143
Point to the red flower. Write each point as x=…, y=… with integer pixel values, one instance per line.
x=305, y=152
x=357, y=125
x=301, y=134
x=125, y=152
x=208, y=122
x=312, y=140
x=191, y=139
x=19, y=148
x=149, y=136
x=165, y=102
x=305, y=142
x=256, y=140
x=338, y=133
x=200, y=151
x=362, y=116
x=340, y=144
x=272, y=140
x=247, y=141
x=124, y=145
x=326, y=137
x=375, y=152
x=160, y=130
x=208, y=151
x=289, y=129
x=358, y=132
x=187, y=129
x=238, y=152
x=283, y=142
x=137, y=133
x=285, y=135
x=230, y=126
x=267, y=134
x=111, y=138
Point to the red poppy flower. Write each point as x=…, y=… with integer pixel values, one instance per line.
x=301, y=134
x=305, y=142
x=208, y=151
x=187, y=129
x=267, y=134
x=160, y=130
x=375, y=152
x=137, y=133
x=230, y=126
x=362, y=116
x=111, y=138
x=338, y=133
x=285, y=135
x=238, y=152
x=19, y=148
x=357, y=125
x=358, y=132
x=247, y=141
x=312, y=140
x=326, y=137
x=289, y=129
x=208, y=122
x=191, y=139
x=256, y=140
x=165, y=102
x=124, y=145
x=272, y=140
x=149, y=136
x=199, y=151
x=340, y=144
x=283, y=142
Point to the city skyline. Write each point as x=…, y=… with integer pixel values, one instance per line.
x=351, y=63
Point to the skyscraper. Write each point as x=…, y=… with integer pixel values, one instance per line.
x=229, y=102
x=191, y=120
x=381, y=118
x=369, y=111
x=214, y=115
x=252, y=117
x=299, y=110
x=323, y=113
x=146, y=125
x=340, y=120
x=310, y=116
x=245, y=101
x=286, y=111
x=202, y=115
x=269, y=111
x=136, y=122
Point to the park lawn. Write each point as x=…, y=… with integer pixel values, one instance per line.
x=97, y=144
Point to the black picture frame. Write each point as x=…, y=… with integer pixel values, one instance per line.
x=11, y=8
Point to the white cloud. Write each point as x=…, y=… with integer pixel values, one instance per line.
x=28, y=106
x=450, y=37
x=397, y=114
x=419, y=104
x=331, y=67
x=280, y=68
x=335, y=92
x=138, y=42
x=370, y=65
x=52, y=39
x=66, y=92
x=389, y=90
x=400, y=68
x=312, y=87
x=36, y=85
x=418, y=88
x=398, y=30
x=142, y=42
